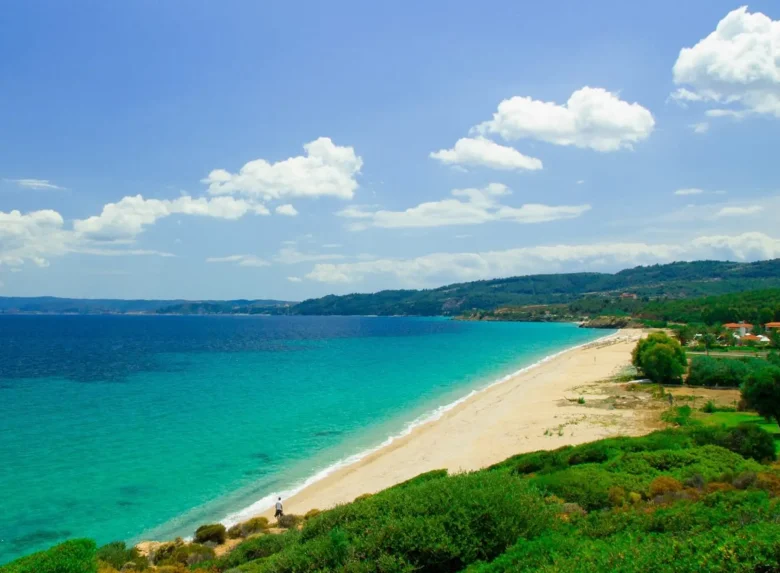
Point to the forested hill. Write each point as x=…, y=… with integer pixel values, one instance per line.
x=674, y=280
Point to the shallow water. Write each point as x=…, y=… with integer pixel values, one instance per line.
x=124, y=427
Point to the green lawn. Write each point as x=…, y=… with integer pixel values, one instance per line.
x=736, y=418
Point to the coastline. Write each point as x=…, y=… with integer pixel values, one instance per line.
x=524, y=411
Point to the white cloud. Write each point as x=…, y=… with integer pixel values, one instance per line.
x=326, y=170
x=689, y=191
x=441, y=267
x=294, y=279
x=31, y=237
x=486, y=153
x=290, y=256
x=240, y=260
x=37, y=184
x=580, y=181
x=123, y=220
x=739, y=211
x=37, y=236
x=331, y=246
x=700, y=128
x=592, y=118
x=287, y=210
x=479, y=206
x=737, y=64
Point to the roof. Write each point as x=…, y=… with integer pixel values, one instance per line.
x=750, y=337
x=772, y=325
x=738, y=325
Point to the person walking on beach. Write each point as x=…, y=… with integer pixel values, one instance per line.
x=279, y=509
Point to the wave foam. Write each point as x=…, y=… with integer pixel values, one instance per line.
x=267, y=502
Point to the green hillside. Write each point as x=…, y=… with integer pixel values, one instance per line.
x=675, y=280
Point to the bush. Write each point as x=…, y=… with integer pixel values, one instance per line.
x=721, y=372
x=709, y=407
x=678, y=415
x=214, y=533
x=256, y=548
x=117, y=554
x=189, y=554
x=663, y=485
x=75, y=556
x=750, y=441
x=289, y=521
x=311, y=513
x=247, y=528
x=761, y=391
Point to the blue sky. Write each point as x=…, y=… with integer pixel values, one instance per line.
x=288, y=150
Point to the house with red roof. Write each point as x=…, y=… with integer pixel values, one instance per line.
x=740, y=328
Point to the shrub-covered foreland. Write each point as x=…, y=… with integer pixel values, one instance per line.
x=701, y=498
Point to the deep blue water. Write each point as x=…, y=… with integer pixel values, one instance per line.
x=123, y=427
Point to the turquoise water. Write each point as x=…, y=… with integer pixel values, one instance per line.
x=121, y=427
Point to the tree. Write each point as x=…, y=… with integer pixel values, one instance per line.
x=761, y=391
x=685, y=334
x=660, y=357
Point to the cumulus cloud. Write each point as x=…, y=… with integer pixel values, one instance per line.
x=739, y=211
x=467, y=207
x=295, y=279
x=240, y=260
x=483, y=152
x=40, y=235
x=287, y=210
x=737, y=64
x=37, y=184
x=441, y=267
x=325, y=170
x=124, y=220
x=592, y=118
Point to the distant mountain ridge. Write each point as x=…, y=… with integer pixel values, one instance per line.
x=673, y=280
x=57, y=305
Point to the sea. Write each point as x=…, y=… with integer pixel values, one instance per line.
x=144, y=427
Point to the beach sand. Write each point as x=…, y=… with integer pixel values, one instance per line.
x=534, y=410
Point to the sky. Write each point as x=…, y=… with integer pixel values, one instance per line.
x=288, y=150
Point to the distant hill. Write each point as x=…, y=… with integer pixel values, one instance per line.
x=670, y=281
x=674, y=280
x=55, y=305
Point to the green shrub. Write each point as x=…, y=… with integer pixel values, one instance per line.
x=75, y=556
x=289, y=521
x=721, y=372
x=256, y=548
x=678, y=415
x=761, y=390
x=246, y=528
x=214, y=533
x=751, y=441
x=312, y=513
x=709, y=407
x=117, y=554
x=188, y=554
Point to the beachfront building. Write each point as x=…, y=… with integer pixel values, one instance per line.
x=739, y=328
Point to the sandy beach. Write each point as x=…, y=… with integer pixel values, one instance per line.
x=536, y=409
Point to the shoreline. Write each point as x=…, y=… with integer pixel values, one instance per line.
x=403, y=455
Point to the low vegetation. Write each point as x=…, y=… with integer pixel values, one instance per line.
x=668, y=501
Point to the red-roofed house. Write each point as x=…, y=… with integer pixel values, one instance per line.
x=740, y=328
x=772, y=325
x=753, y=338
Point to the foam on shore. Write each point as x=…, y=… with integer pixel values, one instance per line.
x=265, y=503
